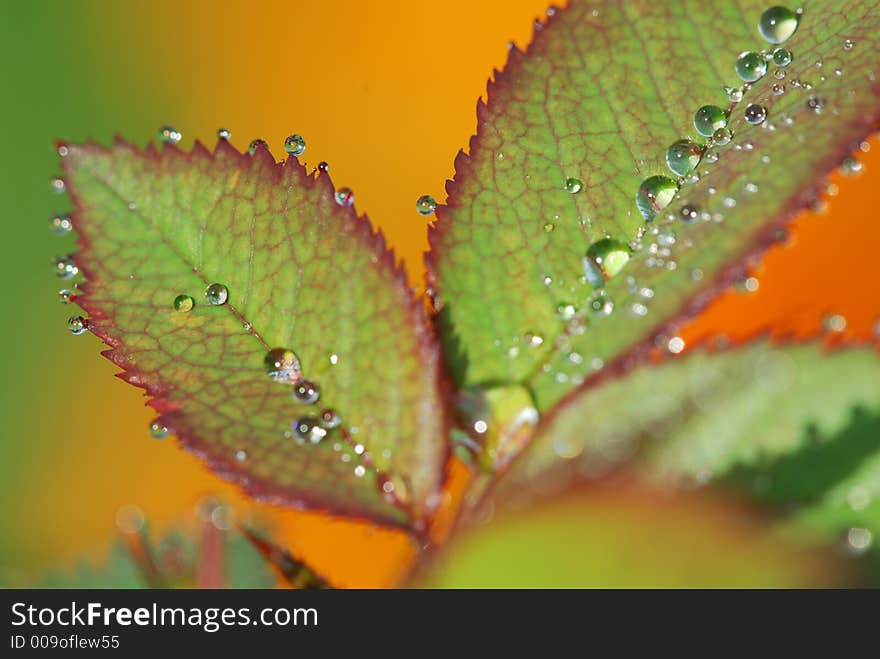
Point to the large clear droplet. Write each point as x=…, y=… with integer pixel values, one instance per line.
x=344, y=197
x=756, y=114
x=184, y=303
x=60, y=225
x=655, y=194
x=295, y=145
x=77, y=325
x=257, y=144
x=751, y=66
x=683, y=156
x=708, y=119
x=777, y=24
x=216, y=294
x=573, y=185
x=65, y=268
x=306, y=392
x=426, y=205
x=605, y=259
x=282, y=365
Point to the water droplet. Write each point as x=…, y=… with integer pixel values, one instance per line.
x=184, y=303
x=360, y=471
x=566, y=311
x=306, y=392
x=756, y=114
x=815, y=104
x=257, y=144
x=329, y=419
x=655, y=194
x=77, y=325
x=241, y=455
x=782, y=57
x=65, y=268
x=750, y=66
x=282, y=365
x=334, y=359
x=295, y=145
x=708, y=119
x=675, y=345
x=777, y=24
x=57, y=185
x=216, y=294
x=426, y=205
x=548, y=227
x=605, y=258
x=66, y=296
x=169, y=135
x=323, y=167
x=308, y=429
x=158, y=431
x=859, y=540
x=600, y=304
x=848, y=45
x=850, y=166
x=689, y=213
x=734, y=94
x=834, y=323
x=722, y=136
x=60, y=224
x=223, y=133
x=62, y=149
x=345, y=197
x=711, y=157
x=778, y=89
x=683, y=156
x=573, y=185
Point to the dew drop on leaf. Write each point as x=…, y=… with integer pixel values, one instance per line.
x=360, y=471
x=815, y=104
x=426, y=205
x=295, y=145
x=750, y=66
x=184, y=303
x=850, y=166
x=329, y=419
x=282, y=365
x=600, y=304
x=344, y=197
x=734, y=94
x=158, y=431
x=605, y=258
x=708, y=119
x=216, y=294
x=56, y=185
x=688, y=213
x=60, y=225
x=549, y=227
x=323, y=167
x=65, y=268
x=756, y=114
x=77, y=325
x=655, y=194
x=782, y=57
x=573, y=185
x=306, y=392
x=257, y=144
x=848, y=45
x=66, y=296
x=308, y=429
x=223, y=133
x=722, y=136
x=777, y=24
x=683, y=156
x=169, y=135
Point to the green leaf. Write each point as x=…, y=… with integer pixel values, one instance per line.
x=794, y=427
x=302, y=273
x=603, y=90
x=621, y=536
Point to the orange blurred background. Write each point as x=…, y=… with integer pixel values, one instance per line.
x=386, y=93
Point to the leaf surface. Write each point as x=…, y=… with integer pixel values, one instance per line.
x=302, y=273
x=601, y=93
x=790, y=425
